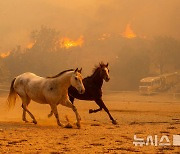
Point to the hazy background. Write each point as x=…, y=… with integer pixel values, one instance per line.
x=31, y=32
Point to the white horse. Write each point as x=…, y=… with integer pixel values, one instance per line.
x=49, y=90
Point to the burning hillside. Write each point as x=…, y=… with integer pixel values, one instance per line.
x=68, y=43
x=5, y=54
x=30, y=45
x=128, y=33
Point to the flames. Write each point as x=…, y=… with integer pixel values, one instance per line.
x=30, y=45
x=128, y=33
x=68, y=43
x=5, y=54
x=65, y=42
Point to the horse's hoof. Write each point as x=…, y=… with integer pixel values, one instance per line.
x=78, y=125
x=35, y=122
x=79, y=118
x=90, y=111
x=61, y=125
x=49, y=115
x=25, y=121
x=114, y=122
x=68, y=126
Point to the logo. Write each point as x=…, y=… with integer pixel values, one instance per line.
x=157, y=141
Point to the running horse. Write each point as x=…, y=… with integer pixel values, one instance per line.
x=49, y=90
x=93, y=85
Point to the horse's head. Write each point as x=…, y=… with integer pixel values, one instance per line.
x=104, y=71
x=76, y=81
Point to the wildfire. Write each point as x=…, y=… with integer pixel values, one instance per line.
x=128, y=32
x=30, y=45
x=68, y=43
x=5, y=54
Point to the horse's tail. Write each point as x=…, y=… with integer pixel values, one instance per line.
x=11, y=100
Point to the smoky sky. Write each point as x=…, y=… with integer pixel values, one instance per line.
x=73, y=18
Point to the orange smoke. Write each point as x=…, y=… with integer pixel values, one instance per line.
x=68, y=43
x=128, y=33
x=104, y=36
x=5, y=54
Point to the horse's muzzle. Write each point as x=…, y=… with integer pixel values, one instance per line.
x=82, y=91
x=107, y=79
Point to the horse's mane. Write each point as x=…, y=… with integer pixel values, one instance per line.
x=96, y=68
x=59, y=74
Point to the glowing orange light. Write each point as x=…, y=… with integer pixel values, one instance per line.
x=68, y=43
x=5, y=54
x=128, y=32
x=104, y=36
x=30, y=45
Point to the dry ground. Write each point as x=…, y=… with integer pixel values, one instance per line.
x=140, y=115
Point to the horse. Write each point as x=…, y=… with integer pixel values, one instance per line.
x=93, y=85
x=46, y=90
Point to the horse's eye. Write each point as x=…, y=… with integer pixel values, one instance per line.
x=76, y=78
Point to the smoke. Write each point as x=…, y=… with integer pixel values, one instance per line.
x=90, y=18
x=85, y=32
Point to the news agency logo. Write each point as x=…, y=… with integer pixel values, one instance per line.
x=162, y=141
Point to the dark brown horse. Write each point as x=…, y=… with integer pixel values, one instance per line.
x=93, y=85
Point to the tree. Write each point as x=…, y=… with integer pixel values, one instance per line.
x=45, y=40
x=164, y=52
x=131, y=65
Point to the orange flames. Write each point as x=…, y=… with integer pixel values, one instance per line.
x=30, y=45
x=68, y=43
x=128, y=32
x=5, y=54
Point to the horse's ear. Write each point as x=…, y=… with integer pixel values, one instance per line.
x=107, y=64
x=76, y=70
x=80, y=70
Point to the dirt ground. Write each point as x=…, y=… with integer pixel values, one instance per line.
x=136, y=115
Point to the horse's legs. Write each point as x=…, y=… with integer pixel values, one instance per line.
x=50, y=114
x=71, y=99
x=102, y=105
x=24, y=112
x=25, y=102
x=70, y=105
x=55, y=111
x=94, y=111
